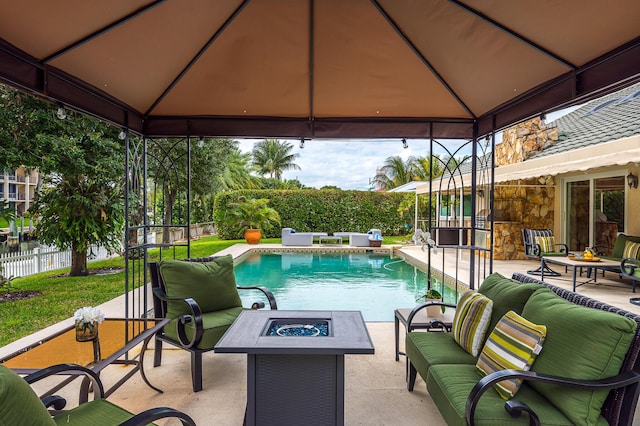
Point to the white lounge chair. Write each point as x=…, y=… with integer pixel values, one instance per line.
x=292, y=238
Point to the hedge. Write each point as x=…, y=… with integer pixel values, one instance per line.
x=324, y=211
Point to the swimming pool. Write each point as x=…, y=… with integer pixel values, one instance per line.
x=373, y=283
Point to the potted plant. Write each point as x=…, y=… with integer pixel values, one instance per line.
x=249, y=216
x=432, y=295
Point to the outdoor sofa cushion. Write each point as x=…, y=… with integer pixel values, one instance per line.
x=428, y=349
x=17, y=398
x=449, y=385
x=507, y=295
x=603, y=339
x=214, y=325
x=211, y=284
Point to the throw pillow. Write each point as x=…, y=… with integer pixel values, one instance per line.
x=471, y=320
x=631, y=250
x=547, y=244
x=512, y=345
x=211, y=284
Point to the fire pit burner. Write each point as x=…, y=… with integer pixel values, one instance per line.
x=297, y=328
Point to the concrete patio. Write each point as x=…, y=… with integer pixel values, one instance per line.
x=375, y=387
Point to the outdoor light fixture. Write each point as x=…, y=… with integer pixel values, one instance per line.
x=481, y=193
x=632, y=180
x=543, y=119
x=301, y=143
x=122, y=134
x=201, y=142
x=405, y=145
x=61, y=113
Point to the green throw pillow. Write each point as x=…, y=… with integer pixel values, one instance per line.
x=211, y=284
x=507, y=295
x=19, y=404
x=581, y=343
x=471, y=320
x=513, y=345
x=547, y=244
x=631, y=250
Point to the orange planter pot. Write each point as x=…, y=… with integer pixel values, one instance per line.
x=252, y=236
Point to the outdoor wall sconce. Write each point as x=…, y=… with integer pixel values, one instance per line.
x=61, y=113
x=405, y=145
x=632, y=180
x=301, y=143
x=481, y=193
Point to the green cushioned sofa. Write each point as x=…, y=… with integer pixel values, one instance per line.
x=587, y=373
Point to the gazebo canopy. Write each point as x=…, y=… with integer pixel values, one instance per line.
x=318, y=69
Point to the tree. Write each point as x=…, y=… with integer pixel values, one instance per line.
x=237, y=172
x=272, y=157
x=168, y=168
x=427, y=166
x=80, y=202
x=395, y=172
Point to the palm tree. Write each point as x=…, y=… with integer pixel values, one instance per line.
x=237, y=173
x=395, y=172
x=272, y=157
x=423, y=164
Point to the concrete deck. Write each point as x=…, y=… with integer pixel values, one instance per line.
x=375, y=387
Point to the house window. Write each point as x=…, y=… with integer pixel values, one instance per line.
x=595, y=211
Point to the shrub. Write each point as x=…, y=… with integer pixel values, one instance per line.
x=323, y=210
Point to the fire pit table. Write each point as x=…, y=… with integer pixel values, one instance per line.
x=295, y=363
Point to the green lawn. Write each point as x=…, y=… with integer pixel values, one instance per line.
x=61, y=295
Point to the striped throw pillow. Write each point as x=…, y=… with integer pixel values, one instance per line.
x=512, y=345
x=631, y=250
x=471, y=320
x=547, y=244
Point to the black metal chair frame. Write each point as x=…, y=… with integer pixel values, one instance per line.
x=628, y=268
x=56, y=403
x=534, y=251
x=160, y=300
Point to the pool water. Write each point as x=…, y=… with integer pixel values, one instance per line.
x=372, y=283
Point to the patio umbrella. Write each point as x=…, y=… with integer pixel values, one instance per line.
x=318, y=69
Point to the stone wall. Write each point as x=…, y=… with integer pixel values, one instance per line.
x=523, y=140
x=523, y=203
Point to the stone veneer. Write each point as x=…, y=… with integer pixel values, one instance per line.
x=524, y=203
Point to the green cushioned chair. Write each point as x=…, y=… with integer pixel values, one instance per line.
x=201, y=296
x=630, y=268
x=19, y=404
x=534, y=251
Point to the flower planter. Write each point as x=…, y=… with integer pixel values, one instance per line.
x=86, y=332
x=252, y=236
x=434, y=311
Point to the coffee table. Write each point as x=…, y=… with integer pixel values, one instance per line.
x=604, y=264
x=294, y=379
x=330, y=240
x=116, y=338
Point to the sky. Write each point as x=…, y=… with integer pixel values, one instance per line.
x=351, y=164
x=347, y=164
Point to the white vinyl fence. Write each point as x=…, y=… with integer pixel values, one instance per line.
x=41, y=259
